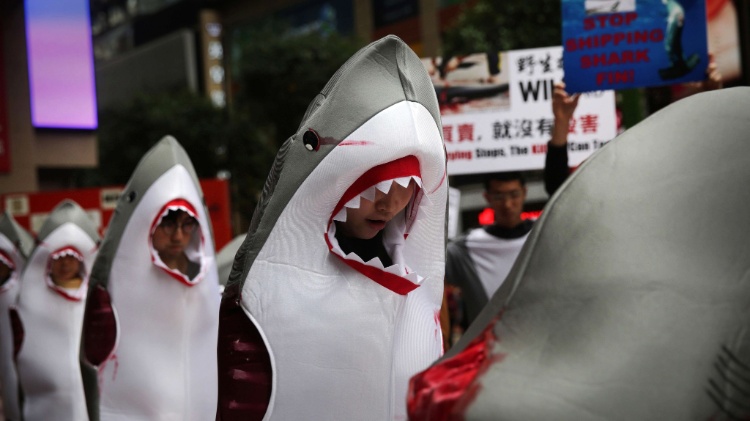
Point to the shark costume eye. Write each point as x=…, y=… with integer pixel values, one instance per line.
x=131, y=196
x=311, y=140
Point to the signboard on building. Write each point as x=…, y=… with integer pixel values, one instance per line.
x=618, y=44
x=61, y=64
x=497, y=111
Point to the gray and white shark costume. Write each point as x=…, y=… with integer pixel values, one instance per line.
x=631, y=297
x=48, y=321
x=149, y=336
x=340, y=337
x=15, y=246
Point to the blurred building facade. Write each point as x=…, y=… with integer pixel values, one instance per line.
x=33, y=158
x=153, y=45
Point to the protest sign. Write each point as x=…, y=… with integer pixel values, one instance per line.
x=497, y=113
x=618, y=44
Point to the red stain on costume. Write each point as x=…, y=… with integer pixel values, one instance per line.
x=356, y=143
x=99, y=327
x=445, y=390
x=245, y=372
x=436, y=318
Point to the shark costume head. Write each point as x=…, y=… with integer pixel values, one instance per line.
x=15, y=246
x=308, y=330
x=149, y=333
x=47, y=320
x=629, y=300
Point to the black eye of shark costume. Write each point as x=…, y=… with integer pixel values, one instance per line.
x=630, y=299
x=15, y=246
x=49, y=319
x=307, y=330
x=149, y=332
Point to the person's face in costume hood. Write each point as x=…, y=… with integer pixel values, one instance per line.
x=372, y=215
x=65, y=268
x=173, y=234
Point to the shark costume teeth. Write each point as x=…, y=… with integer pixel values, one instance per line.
x=15, y=245
x=396, y=230
x=308, y=331
x=629, y=300
x=48, y=319
x=149, y=333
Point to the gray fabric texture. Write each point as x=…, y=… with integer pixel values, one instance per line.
x=459, y=266
x=68, y=211
x=631, y=297
x=16, y=234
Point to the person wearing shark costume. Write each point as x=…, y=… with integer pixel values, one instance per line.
x=15, y=246
x=308, y=331
x=149, y=335
x=630, y=299
x=47, y=320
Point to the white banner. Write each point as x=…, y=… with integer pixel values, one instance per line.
x=497, y=111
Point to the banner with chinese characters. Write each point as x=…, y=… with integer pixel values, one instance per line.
x=497, y=111
x=618, y=44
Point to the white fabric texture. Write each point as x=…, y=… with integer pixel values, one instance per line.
x=493, y=257
x=47, y=363
x=163, y=366
x=342, y=345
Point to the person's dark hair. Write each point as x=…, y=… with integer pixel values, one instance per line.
x=503, y=177
x=172, y=215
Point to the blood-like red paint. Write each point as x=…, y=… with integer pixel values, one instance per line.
x=445, y=390
x=245, y=372
x=99, y=327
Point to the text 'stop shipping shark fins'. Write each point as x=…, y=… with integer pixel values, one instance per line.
x=630, y=300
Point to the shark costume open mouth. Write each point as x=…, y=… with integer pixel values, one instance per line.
x=72, y=294
x=194, y=250
x=397, y=277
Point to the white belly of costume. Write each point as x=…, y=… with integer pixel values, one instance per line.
x=342, y=346
x=48, y=362
x=164, y=363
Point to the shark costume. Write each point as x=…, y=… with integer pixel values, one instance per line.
x=308, y=331
x=47, y=322
x=630, y=299
x=149, y=335
x=15, y=246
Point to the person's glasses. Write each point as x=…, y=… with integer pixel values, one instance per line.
x=503, y=196
x=170, y=226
